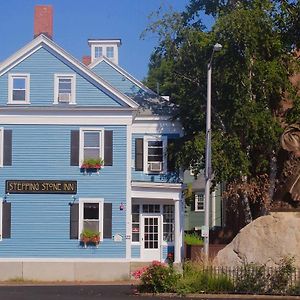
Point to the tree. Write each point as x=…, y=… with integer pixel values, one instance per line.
x=250, y=81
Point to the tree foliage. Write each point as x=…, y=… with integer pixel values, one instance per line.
x=250, y=81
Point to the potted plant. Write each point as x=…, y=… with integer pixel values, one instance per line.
x=90, y=164
x=91, y=237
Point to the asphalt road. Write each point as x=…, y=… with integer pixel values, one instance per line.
x=86, y=292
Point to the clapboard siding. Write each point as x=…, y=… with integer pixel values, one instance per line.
x=171, y=177
x=116, y=79
x=42, y=65
x=40, y=223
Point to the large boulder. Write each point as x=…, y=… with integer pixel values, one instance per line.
x=264, y=241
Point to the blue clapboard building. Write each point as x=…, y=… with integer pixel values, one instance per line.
x=83, y=149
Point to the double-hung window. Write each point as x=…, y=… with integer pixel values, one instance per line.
x=91, y=144
x=155, y=154
x=199, y=202
x=18, y=89
x=110, y=52
x=64, y=88
x=98, y=52
x=91, y=215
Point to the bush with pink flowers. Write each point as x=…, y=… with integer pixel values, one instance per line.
x=157, y=278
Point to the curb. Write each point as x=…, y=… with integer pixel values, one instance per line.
x=223, y=296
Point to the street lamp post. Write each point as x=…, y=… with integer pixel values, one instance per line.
x=217, y=47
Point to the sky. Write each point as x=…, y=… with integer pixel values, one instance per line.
x=75, y=21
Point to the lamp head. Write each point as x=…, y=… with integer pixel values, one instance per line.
x=217, y=47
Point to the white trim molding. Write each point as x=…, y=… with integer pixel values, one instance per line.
x=151, y=190
x=1, y=146
x=11, y=77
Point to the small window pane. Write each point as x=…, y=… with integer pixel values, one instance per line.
x=91, y=225
x=19, y=83
x=155, y=151
x=155, y=143
x=135, y=218
x=135, y=237
x=98, y=52
x=91, y=139
x=19, y=95
x=110, y=52
x=65, y=85
x=135, y=208
x=91, y=153
x=91, y=211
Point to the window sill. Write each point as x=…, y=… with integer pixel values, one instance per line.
x=18, y=103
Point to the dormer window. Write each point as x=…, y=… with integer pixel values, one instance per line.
x=105, y=47
x=18, y=88
x=110, y=52
x=64, y=88
x=98, y=52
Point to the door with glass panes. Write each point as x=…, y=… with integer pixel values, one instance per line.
x=150, y=232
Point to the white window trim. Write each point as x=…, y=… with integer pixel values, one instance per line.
x=1, y=146
x=1, y=217
x=140, y=219
x=196, y=202
x=11, y=76
x=164, y=139
x=101, y=213
x=81, y=142
x=73, y=87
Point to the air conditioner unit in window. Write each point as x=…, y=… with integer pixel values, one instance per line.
x=155, y=166
x=64, y=97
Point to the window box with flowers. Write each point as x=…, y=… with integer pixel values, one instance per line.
x=92, y=165
x=90, y=238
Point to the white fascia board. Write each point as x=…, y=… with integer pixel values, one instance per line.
x=157, y=126
x=122, y=72
x=65, y=117
x=157, y=185
x=162, y=191
x=104, y=41
x=36, y=44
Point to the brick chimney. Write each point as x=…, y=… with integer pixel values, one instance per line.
x=43, y=20
x=86, y=60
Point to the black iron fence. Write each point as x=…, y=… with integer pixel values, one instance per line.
x=259, y=279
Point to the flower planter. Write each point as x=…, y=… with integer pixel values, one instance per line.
x=89, y=238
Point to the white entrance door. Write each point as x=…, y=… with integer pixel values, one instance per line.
x=151, y=237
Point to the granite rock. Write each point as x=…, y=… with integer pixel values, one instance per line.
x=266, y=240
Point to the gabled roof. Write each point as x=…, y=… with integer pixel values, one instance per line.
x=150, y=102
x=38, y=42
x=121, y=71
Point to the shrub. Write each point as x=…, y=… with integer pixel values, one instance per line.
x=251, y=278
x=197, y=279
x=193, y=239
x=280, y=278
x=157, y=278
x=294, y=290
x=257, y=279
